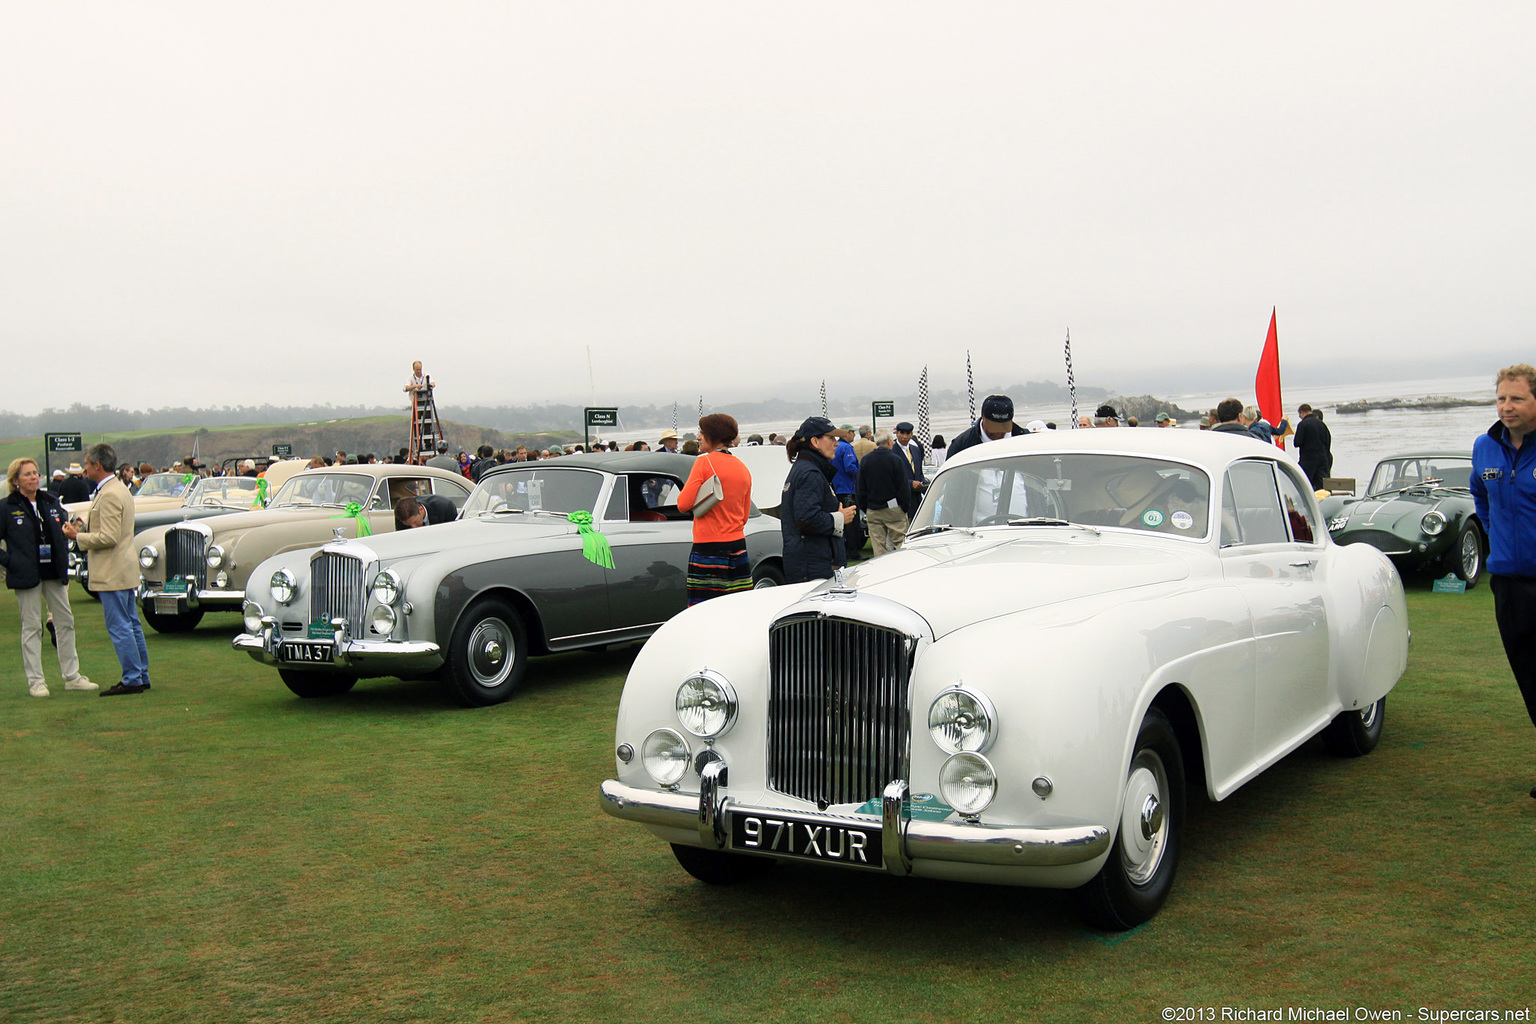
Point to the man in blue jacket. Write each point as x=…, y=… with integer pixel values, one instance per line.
x=1504, y=488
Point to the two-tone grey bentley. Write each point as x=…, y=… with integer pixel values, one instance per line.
x=469, y=601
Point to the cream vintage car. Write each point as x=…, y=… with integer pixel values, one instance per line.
x=1080, y=626
x=188, y=568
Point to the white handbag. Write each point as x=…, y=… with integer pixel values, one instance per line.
x=711, y=491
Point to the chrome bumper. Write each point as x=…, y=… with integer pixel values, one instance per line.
x=903, y=840
x=375, y=657
x=191, y=600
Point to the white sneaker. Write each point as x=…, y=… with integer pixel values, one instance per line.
x=80, y=683
x=38, y=689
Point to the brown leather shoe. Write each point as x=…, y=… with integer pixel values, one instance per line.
x=117, y=689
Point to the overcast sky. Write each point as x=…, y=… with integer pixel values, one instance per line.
x=211, y=203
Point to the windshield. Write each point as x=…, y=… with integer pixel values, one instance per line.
x=325, y=489
x=1395, y=474
x=536, y=490
x=224, y=490
x=161, y=485
x=1116, y=491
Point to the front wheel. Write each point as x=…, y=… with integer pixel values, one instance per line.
x=716, y=867
x=182, y=622
x=1466, y=558
x=1136, y=879
x=315, y=684
x=1356, y=733
x=488, y=654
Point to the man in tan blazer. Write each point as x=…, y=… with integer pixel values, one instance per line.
x=107, y=540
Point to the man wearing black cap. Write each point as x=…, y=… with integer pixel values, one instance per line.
x=913, y=450
x=996, y=423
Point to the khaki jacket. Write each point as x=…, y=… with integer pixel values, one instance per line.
x=107, y=539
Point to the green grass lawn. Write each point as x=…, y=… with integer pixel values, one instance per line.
x=217, y=850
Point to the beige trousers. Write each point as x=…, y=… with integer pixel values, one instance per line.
x=56, y=593
x=887, y=528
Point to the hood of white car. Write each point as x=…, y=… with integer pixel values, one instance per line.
x=968, y=578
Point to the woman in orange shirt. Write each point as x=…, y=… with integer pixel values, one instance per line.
x=718, y=563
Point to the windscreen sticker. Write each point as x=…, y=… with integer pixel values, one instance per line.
x=1182, y=520
x=1152, y=518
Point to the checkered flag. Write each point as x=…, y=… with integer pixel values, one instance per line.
x=970, y=385
x=674, y=417
x=924, y=430
x=1071, y=381
x=823, y=396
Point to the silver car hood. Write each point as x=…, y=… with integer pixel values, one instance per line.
x=469, y=534
x=967, y=578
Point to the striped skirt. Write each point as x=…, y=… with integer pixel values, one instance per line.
x=716, y=568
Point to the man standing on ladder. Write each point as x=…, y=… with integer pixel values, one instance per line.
x=425, y=435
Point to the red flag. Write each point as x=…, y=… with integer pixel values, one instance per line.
x=1267, y=384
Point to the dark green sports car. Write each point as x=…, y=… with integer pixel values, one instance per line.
x=1418, y=510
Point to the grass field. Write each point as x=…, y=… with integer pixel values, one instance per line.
x=217, y=850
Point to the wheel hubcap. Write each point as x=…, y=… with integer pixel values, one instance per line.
x=1144, y=818
x=1470, y=555
x=489, y=646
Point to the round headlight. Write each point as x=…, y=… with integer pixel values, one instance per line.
x=968, y=783
x=214, y=556
x=386, y=587
x=251, y=611
x=147, y=556
x=1433, y=522
x=382, y=619
x=706, y=704
x=665, y=756
x=283, y=585
x=960, y=719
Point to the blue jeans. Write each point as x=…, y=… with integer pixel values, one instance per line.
x=117, y=606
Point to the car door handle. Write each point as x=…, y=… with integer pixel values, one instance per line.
x=1309, y=563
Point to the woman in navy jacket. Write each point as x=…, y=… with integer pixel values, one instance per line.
x=811, y=517
x=36, y=560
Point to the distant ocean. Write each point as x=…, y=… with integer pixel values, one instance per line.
x=1360, y=440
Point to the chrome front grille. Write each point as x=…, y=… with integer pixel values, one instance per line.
x=837, y=708
x=184, y=555
x=336, y=588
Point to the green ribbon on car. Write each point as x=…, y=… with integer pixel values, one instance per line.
x=594, y=546
x=355, y=511
x=261, y=493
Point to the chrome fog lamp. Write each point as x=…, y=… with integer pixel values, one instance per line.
x=968, y=783
x=214, y=556
x=283, y=586
x=665, y=756
x=706, y=704
x=147, y=556
x=1433, y=522
x=386, y=587
x=961, y=719
x=382, y=619
x=221, y=579
x=251, y=612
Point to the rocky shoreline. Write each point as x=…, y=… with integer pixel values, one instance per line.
x=1429, y=403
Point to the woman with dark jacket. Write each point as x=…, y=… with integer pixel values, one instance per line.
x=811, y=517
x=36, y=559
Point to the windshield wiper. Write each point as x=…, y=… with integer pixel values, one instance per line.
x=1049, y=521
x=934, y=529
